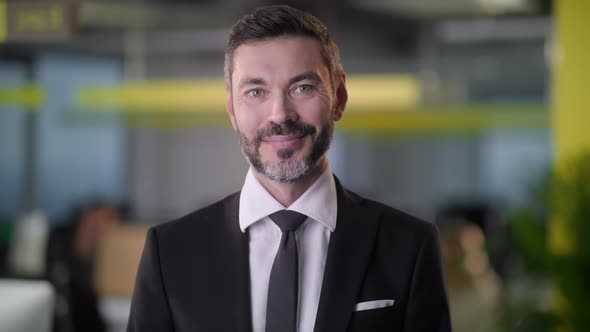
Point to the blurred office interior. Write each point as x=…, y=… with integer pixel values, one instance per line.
x=112, y=119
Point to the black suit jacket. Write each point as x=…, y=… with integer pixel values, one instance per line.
x=194, y=272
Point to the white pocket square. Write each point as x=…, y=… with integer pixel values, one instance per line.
x=373, y=305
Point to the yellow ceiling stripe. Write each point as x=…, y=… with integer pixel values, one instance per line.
x=156, y=96
x=30, y=96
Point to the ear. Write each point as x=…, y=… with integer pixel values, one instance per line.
x=341, y=98
x=229, y=107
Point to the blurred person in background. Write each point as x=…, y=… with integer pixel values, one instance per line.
x=474, y=287
x=71, y=257
x=293, y=250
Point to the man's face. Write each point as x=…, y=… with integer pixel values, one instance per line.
x=283, y=106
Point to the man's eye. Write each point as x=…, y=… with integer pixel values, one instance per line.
x=305, y=88
x=255, y=93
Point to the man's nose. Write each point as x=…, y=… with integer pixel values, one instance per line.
x=282, y=110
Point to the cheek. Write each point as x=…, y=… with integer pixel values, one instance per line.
x=316, y=111
x=248, y=118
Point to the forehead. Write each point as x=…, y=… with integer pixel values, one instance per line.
x=278, y=57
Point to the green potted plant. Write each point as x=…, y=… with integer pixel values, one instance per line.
x=556, y=278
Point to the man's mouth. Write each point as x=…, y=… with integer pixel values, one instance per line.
x=291, y=141
x=282, y=138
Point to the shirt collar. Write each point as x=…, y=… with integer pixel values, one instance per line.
x=318, y=202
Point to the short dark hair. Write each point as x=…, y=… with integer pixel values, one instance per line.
x=282, y=20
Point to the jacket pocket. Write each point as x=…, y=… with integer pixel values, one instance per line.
x=385, y=318
x=371, y=305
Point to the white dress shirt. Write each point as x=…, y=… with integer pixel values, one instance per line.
x=319, y=204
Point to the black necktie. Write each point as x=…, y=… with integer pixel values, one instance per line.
x=281, y=310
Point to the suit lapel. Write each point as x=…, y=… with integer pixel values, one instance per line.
x=237, y=291
x=349, y=252
x=209, y=265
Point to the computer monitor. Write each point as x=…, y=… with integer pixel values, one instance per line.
x=26, y=305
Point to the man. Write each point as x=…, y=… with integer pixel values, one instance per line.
x=294, y=250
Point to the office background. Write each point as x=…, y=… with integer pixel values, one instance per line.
x=112, y=112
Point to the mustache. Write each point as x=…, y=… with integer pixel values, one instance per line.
x=286, y=128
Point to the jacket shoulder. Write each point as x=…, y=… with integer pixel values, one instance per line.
x=396, y=221
x=210, y=216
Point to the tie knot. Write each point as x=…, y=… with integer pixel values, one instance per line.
x=288, y=221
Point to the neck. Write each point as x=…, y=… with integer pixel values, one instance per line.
x=288, y=192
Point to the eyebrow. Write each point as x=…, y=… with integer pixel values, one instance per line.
x=308, y=75
x=252, y=81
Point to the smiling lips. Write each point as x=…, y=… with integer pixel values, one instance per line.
x=284, y=141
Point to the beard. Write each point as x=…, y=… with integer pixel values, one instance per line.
x=287, y=169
